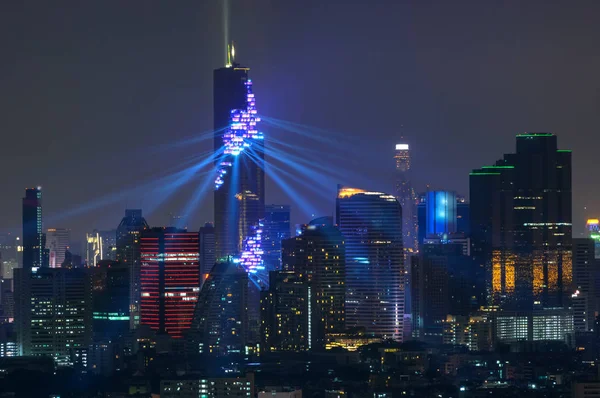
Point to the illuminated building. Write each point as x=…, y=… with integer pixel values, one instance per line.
x=33, y=236
x=100, y=245
x=585, y=270
x=58, y=241
x=207, y=258
x=285, y=312
x=209, y=387
x=593, y=227
x=128, y=252
x=407, y=198
x=521, y=224
x=169, y=279
x=240, y=183
x=427, y=215
x=318, y=256
x=475, y=332
x=110, y=299
x=538, y=325
x=53, y=312
x=371, y=225
x=8, y=340
x=220, y=324
x=276, y=228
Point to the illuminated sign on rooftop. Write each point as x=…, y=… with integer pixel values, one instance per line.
x=402, y=147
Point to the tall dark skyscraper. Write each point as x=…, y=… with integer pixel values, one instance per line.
x=207, y=258
x=371, y=225
x=521, y=224
x=128, y=252
x=405, y=193
x=239, y=157
x=33, y=236
x=276, y=228
x=169, y=280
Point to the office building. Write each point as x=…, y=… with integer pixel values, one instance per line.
x=11, y=248
x=209, y=387
x=110, y=300
x=207, y=255
x=128, y=252
x=169, y=279
x=277, y=227
x=521, y=224
x=58, y=240
x=536, y=325
x=240, y=184
x=33, y=236
x=220, y=324
x=317, y=256
x=427, y=216
x=371, y=225
x=407, y=198
x=52, y=312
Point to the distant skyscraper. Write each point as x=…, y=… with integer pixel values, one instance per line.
x=169, y=280
x=240, y=183
x=405, y=194
x=33, y=236
x=370, y=224
x=276, y=228
x=317, y=256
x=220, y=324
x=208, y=259
x=52, y=312
x=593, y=229
x=110, y=299
x=427, y=215
x=521, y=224
x=128, y=252
x=58, y=241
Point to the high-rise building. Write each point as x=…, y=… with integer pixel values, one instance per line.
x=521, y=225
x=371, y=225
x=128, y=252
x=585, y=269
x=220, y=324
x=593, y=230
x=306, y=300
x=285, y=313
x=169, y=279
x=427, y=215
x=52, y=312
x=110, y=299
x=33, y=236
x=239, y=156
x=277, y=227
x=407, y=198
x=207, y=257
x=58, y=241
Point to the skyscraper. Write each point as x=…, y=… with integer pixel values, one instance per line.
x=33, y=236
x=276, y=228
x=169, y=279
x=428, y=216
x=58, y=241
x=405, y=194
x=207, y=258
x=220, y=324
x=371, y=225
x=317, y=256
x=240, y=184
x=128, y=252
x=593, y=231
x=110, y=299
x=585, y=305
x=521, y=224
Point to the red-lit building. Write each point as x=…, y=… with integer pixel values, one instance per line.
x=169, y=279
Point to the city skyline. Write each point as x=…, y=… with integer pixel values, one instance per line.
x=446, y=141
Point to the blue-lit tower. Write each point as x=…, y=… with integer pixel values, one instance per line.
x=277, y=228
x=239, y=158
x=33, y=236
x=441, y=213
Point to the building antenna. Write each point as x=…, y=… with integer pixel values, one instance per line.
x=226, y=32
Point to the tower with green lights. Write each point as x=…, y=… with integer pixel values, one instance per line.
x=521, y=225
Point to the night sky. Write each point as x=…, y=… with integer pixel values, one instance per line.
x=90, y=90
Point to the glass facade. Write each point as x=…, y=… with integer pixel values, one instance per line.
x=405, y=194
x=371, y=225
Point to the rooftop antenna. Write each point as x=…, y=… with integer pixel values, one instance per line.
x=226, y=32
